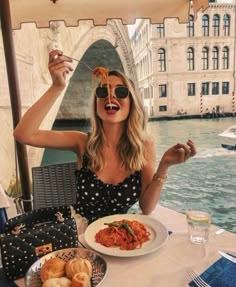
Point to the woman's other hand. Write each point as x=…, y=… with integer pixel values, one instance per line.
x=179, y=153
x=59, y=66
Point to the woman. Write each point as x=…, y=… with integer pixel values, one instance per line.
x=116, y=162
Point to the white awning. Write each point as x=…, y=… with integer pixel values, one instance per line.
x=71, y=11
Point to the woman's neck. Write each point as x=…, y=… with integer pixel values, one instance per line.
x=113, y=133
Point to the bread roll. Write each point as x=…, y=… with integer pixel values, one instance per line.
x=57, y=282
x=53, y=268
x=81, y=279
x=76, y=265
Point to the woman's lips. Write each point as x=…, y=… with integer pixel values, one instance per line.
x=112, y=106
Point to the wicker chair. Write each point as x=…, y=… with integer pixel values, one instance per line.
x=54, y=185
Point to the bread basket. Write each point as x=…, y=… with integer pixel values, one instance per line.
x=32, y=278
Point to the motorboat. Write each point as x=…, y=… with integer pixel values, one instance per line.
x=229, y=136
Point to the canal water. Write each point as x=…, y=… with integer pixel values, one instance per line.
x=206, y=182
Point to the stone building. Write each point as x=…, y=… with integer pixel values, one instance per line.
x=188, y=68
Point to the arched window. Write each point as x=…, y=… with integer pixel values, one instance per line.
x=215, y=58
x=205, y=25
x=190, y=26
x=226, y=25
x=190, y=58
x=225, y=58
x=216, y=25
x=205, y=58
x=162, y=60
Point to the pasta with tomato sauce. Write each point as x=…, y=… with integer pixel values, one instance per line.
x=102, y=74
x=125, y=234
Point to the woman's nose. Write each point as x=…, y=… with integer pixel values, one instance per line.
x=112, y=93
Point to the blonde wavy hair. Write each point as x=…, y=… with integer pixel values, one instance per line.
x=132, y=143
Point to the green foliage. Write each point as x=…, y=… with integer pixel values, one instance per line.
x=14, y=189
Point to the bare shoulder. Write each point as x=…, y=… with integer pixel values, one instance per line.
x=81, y=136
x=82, y=140
x=78, y=138
x=149, y=166
x=72, y=140
x=149, y=148
x=150, y=155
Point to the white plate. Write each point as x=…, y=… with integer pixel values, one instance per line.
x=158, y=231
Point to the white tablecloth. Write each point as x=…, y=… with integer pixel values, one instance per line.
x=166, y=266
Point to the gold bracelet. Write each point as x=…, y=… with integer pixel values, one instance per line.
x=158, y=178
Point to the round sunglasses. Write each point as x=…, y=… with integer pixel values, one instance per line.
x=121, y=92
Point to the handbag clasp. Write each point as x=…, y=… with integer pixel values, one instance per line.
x=43, y=249
x=59, y=216
x=17, y=229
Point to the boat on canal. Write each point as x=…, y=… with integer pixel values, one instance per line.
x=229, y=138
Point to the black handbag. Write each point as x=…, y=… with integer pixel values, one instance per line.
x=34, y=234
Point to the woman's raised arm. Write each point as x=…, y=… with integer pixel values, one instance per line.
x=28, y=129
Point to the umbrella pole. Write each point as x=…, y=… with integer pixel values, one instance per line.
x=9, y=51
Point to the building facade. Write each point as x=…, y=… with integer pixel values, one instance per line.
x=188, y=68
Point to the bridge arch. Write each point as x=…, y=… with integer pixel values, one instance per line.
x=77, y=98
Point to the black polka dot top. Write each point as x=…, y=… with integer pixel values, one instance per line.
x=96, y=199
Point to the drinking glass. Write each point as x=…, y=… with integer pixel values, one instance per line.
x=198, y=225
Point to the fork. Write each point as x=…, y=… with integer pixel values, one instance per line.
x=196, y=278
x=80, y=62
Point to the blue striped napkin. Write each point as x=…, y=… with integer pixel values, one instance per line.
x=220, y=274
